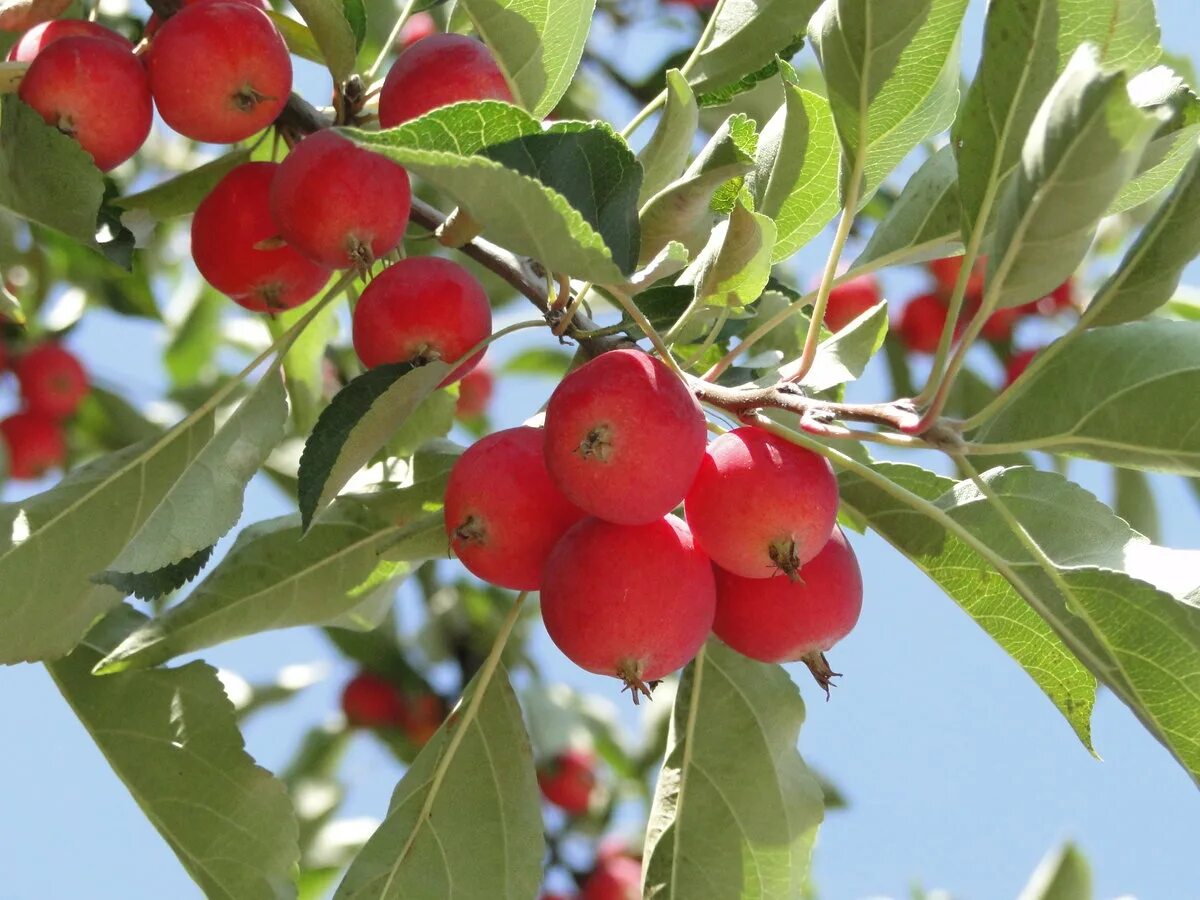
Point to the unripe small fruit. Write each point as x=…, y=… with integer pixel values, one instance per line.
x=422, y=717
x=615, y=878
x=569, y=780
x=219, y=71
x=1016, y=365
x=503, y=514
x=420, y=309
x=774, y=620
x=632, y=601
x=921, y=323
x=439, y=70
x=53, y=383
x=35, y=444
x=624, y=437
x=338, y=204
x=236, y=247
x=94, y=90
x=39, y=37
x=849, y=300
x=370, y=701
x=761, y=505
x=474, y=393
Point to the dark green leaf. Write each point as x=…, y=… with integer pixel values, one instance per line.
x=149, y=585
x=356, y=424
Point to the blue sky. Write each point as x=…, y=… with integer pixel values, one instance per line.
x=960, y=774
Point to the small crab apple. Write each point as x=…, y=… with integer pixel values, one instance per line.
x=219, y=71
x=371, y=701
x=236, y=247
x=417, y=28
x=154, y=22
x=1062, y=297
x=439, y=70
x=632, y=601
x=760, y=505
x=422, y=717
x=775, y=620
x=35, y=444
x=94, y=90
x=614, y=878
x=53, y=383
x=624, y=437
x=921, y=323
x=569, y=780
x=39, y=37
x=503, y=513
x=1016, y=365
x=999, y=325
x=420, y=309
x=849, y=300
x=474, y=393
x=338, y=204
x=946, y=271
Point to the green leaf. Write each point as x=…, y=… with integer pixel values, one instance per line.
x=150, y=585
x=795, y=177
x=1125, y=31
x=52, y=544
x=892, y=71
x=465, y=820
x=304, y=363
x=843, y=357
x=45, y=176
x=1139, y=640
x=330, y=22
x=189, y=357
x=538, y=44
x=206, y=499
x=681, y=211
x=1124, y=383
x=971, y=581
x=1150, y=272
x=1173, y=144
x=170, y=735
x=1083, y=146
x=538, y=361
x=667, y=152
x=278, y=576
x=734, y=266
x=179, y=196
x=299, y=39
x=735, y=809
x=923, y=223
x=748, y=36
x=1134, y=501
x=356, y=424
x=566, y=197
x=10, y=306
x=1062, y=875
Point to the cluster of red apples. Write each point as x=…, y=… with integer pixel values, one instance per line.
x=370, y=700
x=923, y=317
x=52, y=385
x=582, y=511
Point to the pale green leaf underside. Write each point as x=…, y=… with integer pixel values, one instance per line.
x=747, y=36
x=333, y=34
x=973, y=584
x=733, y=268
x=845, y=355
x=483, y=834
x=1082, y=148
x=1151, y=269
x=665, y=155
x=735, y=809
x=1121, y=379
x=1062, y=875
x=172, y=738
x=537, y=43
x=923, y=223
x=179, y=196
